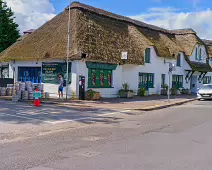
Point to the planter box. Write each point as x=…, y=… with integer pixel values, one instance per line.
x=186, y=91
x=126, y=94
x=164, y=92
x=96, y=96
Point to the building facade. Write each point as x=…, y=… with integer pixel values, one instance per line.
x=98, y=39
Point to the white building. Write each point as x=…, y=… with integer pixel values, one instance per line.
x=97, y=40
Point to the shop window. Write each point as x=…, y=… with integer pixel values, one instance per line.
x=177, y=81
x=146, y=80
x=147, y=55
x=32, y=74
x=207, y=80
x=99, y=78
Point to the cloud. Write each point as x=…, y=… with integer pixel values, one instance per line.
x=31, y=14
x=171, y=18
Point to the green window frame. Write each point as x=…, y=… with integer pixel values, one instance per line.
x=207, y=80
x=177, y=81
x=178, y=60
x=146, y=80
x=196, y=54
x=99, y=78
x=163, y=80
x=200, y=54
x=147, y=55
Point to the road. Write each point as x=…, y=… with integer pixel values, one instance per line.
x=169, y=139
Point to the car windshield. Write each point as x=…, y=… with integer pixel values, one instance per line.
x=206, y=87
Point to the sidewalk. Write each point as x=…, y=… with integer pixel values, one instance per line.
x=136, y=103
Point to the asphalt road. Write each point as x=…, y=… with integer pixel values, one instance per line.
x=23, y=120
x=168, y=139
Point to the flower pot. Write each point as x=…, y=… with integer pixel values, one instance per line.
x=146, y=93
x=126, y=94
x=94, y=96
x=178, y=92
x=163, y=92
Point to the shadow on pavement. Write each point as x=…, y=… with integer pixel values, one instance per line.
x=24, y=113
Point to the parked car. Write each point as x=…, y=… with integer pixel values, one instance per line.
x=205, y=92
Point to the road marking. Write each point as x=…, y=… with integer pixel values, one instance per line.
x=69, y=120
x=24, y=117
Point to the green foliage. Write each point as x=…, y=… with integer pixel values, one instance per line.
x=165, y=87
x=125, y=87
x=141, y=91
x=91, y=93
x=9, y=32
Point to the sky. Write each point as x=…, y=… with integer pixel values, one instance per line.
x=169, y=14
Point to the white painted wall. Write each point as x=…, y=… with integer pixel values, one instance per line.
x=156, y=66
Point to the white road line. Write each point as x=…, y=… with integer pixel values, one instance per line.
x=69, y=120
x=24, y=117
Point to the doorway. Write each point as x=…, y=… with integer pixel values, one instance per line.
x=81, y=87
x=194, y=84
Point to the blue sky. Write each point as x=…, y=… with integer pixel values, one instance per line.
x=135, y=7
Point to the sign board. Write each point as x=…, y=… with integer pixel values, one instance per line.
x=124, y=55
x=51, y=70
x=37, y=94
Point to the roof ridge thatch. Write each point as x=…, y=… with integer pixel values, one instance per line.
x=208, y=44
x=105, y=13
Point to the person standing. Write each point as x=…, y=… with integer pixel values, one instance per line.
x=60, y=88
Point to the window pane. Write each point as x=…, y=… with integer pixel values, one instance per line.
x=147, y=55
x=101, y=78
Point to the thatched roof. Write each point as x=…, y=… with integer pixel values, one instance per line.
x=209, y=46
x=102, y=35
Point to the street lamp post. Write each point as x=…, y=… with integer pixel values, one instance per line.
x=171, y=67
x=68, y=49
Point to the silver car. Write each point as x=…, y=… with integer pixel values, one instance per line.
x=205, y=92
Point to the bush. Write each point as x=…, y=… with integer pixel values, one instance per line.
x=141, y=91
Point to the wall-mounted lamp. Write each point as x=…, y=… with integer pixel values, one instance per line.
x=124, y=57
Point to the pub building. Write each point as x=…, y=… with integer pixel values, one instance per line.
x=98, y=40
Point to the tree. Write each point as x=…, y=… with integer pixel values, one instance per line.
x=9, y=32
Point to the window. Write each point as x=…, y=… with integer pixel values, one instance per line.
x=146, y=80
x=207, y=80
x=163, y=80
x=178, y=60
x=32, y=74
x=147, y=55
x=196, y=54
x=99, y=78
x=200, y=54
x=177, y=81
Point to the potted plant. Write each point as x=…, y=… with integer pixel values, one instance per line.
x=164, y=89
x=92, y=95
x=186, y=91
x=125, y=92
x=141, y=91
x=174, y=91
